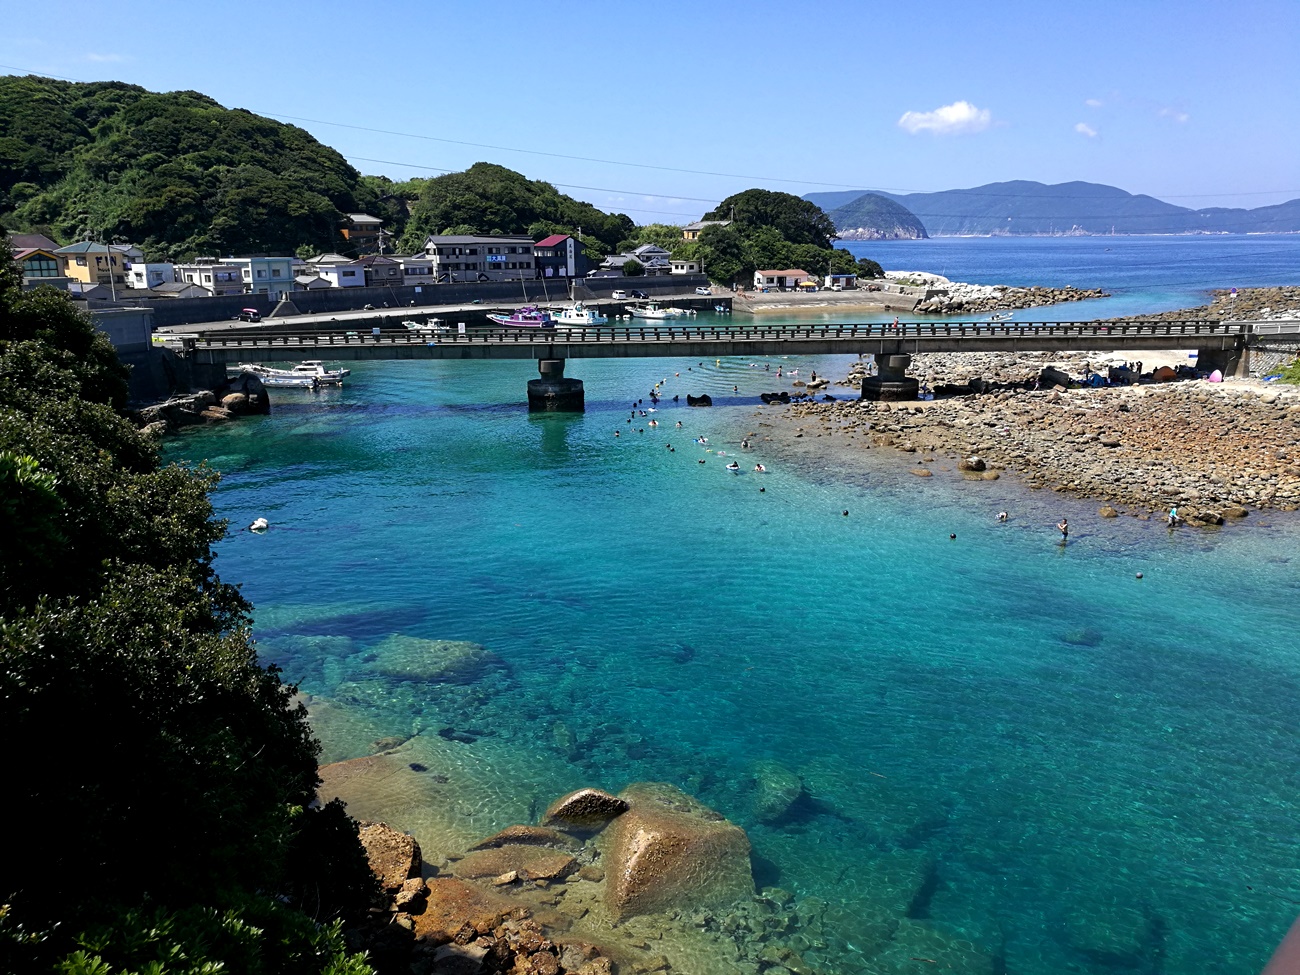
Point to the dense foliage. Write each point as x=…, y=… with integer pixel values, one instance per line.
x=490, y=199
x=175, y=173
x=156, y=766
x=770, y=231
x=872, y=216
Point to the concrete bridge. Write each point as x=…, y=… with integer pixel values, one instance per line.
x=1220, y=345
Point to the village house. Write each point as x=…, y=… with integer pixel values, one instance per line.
x=142, y=275
x=92, y=263
x=363, y=232
x=692, y=230
x=38, y=258
x=417, y=269
x=381, y=271
x=785, y=280
x=685, y=266
x=845, y=282
x=464, y=257
x=561, y=256
x=339, y=271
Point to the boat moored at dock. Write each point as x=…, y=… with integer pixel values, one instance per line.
x=527, y=316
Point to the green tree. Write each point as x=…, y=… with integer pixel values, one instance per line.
x=633, y=268
x=115, y=630
x=797, y=220
x=868, y=268
x=722, y=252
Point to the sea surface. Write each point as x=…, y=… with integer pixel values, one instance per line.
x=1099, y=773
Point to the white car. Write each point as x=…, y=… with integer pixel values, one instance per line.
x=837, y=287
x=619, y=296
x=704, y=291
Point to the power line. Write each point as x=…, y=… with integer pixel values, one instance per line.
x=844, y=187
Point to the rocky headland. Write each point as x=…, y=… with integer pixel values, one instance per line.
x=955, y=298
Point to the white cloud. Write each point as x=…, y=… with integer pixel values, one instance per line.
x=92, y=56
x=1177, y=114
x=1093, y=102
x=947, y=120
x=1083, y=128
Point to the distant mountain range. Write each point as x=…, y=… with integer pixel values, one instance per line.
x=1025, y=207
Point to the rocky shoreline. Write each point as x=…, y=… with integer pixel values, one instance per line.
x=979, y=299
x=244, y=395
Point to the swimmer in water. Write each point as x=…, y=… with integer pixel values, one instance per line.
x=733, y=466
x=679, y=424
x=1064, y=528
x=760, y=469
x=1002, y=516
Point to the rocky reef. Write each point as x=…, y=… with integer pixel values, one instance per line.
x=245, y=395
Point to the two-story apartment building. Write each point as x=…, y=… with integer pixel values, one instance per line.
x=459, y=257
x=220, y=277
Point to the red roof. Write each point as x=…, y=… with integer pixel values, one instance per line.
x=552, y=240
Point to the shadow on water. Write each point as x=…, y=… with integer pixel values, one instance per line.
x=554, y=431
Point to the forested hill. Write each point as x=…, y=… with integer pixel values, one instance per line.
x=1025, y=207
x=176, y=173
x=872, y=217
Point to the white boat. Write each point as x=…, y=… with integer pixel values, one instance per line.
x=653, y=310
x=432, y=325
x=309, y=372
x=578, y=315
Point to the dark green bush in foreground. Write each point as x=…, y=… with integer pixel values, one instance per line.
x=159, y=777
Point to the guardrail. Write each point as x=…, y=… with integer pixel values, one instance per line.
x=607, y=335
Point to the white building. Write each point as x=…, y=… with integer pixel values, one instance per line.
x=143, y=275
x=339, y=271
x=685, y=267
x=785, y=280
x=220, y=277
x=417, y=269
x=265, y=275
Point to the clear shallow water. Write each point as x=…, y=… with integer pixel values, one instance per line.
x=1103, y=769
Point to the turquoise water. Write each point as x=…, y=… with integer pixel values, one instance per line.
x=1102, y=769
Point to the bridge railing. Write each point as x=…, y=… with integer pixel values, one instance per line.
x=641, y=334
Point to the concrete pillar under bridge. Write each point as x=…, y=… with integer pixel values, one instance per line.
x=891, y=382
x=1231, y=362
x=552, y=392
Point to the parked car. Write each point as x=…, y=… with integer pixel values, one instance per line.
x=639, y=294
x=874, y=287
x=704, y=291
x=837, y=287
x=248, y=315
x=619, y=296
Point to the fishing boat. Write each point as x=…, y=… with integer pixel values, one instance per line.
x=653, y=310
x=1001, y=317
x=579, y=315
x=308, y=373
x=432, y=325
x=529, y=316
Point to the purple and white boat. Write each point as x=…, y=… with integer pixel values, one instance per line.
x=529, y=316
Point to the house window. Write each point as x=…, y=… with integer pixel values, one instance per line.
x=471, y=251
x=494, y=250
x=41, y=267
x=275, y=272
x=261, y=273
x=348, y=274
x=207, y=278
x=81, y=262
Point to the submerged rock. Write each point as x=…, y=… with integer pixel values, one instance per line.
x=526, y=862
x=586, y=810
x=777, y=790
x=434, y=661
x=527, y=836
x=671, y=851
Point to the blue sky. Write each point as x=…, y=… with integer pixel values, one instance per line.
x=1192, y=102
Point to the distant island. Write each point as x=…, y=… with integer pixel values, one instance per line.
x=874, y=217
x=1024, y=207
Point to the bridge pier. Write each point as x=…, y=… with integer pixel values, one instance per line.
x=552, y=392
x=891, y=382
x=1230, y=362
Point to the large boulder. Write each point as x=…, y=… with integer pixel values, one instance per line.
x=433, y=661
x=584, y=811
x=526, y=862
x=671, y=851
x=394, y=856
